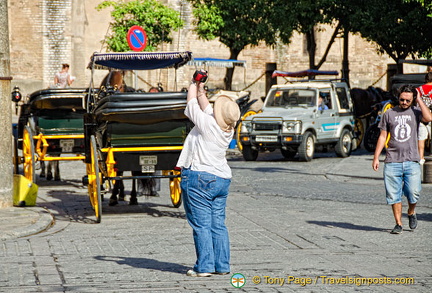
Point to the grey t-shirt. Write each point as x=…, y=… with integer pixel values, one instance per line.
x=403, y=128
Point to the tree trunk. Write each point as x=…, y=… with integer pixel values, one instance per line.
x=345, y=61
x=230, y=71
x=311, y=48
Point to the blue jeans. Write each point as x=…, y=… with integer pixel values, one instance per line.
x=402, y=178
x=204, y=199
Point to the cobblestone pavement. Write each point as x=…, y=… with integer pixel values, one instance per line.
x=294, y=227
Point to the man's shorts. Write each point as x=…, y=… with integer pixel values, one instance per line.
x=402, y=179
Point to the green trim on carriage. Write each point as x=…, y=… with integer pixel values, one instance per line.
x=60, y=126
x=162, y=133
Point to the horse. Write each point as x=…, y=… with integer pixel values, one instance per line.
x=51, y=165
x=364, y=101
x=114, y=80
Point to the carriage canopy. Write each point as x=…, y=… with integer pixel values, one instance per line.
x=214, y=62
x=139, y=60
x=304, y=73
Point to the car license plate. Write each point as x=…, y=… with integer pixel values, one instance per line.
x=67, y=145
x=148, y=168
x=148, y=163
x=266, y=138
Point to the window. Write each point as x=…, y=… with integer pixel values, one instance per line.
x=343, y=98
x=292, y=98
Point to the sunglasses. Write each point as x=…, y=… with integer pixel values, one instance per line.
x=405, y=100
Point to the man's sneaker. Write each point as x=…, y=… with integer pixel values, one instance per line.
x=397, y=230
x=220, y=273
x=412, y=221
x=192, y=273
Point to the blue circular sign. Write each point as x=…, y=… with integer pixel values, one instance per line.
x=137, y=38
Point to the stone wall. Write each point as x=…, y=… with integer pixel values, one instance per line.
x=45, y=34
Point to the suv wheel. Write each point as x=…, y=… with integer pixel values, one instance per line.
x=344, y=145
x=249, y=154
x=306, y=149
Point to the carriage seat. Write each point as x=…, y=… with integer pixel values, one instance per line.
x=56, y=99
x=141, y=108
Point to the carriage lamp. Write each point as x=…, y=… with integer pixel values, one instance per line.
x=16, y=95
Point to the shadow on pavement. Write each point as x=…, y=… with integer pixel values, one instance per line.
x=75, y=206
x=151, y=209
x=346, y=225
x=145, y=263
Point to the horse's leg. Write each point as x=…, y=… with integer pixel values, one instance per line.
x=121, y=190
x=56, y=170
x=133, y=199
x=116, y=189
x=49, y=171
x=156, y=184
x=42, y=165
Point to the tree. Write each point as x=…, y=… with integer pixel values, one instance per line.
x=425, y=3
x=309, y=13
x=238, y=24
x=157, y=20
x=399, y=29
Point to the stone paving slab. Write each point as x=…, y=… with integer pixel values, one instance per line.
x=18, y=222
x=274, y=235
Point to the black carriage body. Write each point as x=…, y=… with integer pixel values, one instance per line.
x=130, y=161
x=134, y=120
x=55, y=112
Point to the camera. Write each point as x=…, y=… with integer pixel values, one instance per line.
x=200, y=76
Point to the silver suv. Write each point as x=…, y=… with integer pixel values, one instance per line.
x=299, y=116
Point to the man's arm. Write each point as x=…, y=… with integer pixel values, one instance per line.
x=426, y=113
x=379, y=147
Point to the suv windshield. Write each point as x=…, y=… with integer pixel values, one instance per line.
x=292, y=98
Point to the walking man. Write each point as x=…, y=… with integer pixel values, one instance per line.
x=402, y=173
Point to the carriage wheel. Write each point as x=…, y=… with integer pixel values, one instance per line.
x=28, y=154
x=175, y=190
x=238, y=129
x=94, y=180
x=359, y=131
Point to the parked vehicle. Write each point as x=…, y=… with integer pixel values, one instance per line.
x=298, y=117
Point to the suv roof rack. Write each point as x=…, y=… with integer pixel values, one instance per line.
x=303, y=73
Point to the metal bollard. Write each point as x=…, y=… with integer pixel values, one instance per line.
x=427, y=170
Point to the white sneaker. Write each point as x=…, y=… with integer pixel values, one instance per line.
x=192, y=273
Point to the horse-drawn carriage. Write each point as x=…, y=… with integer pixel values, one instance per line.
x=50, y=129
x=140, y=132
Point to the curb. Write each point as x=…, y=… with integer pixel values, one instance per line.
x=21, y=222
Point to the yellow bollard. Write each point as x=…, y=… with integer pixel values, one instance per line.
x=24, y=191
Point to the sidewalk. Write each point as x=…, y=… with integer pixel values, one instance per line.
x=281, y=235
x=18, y=222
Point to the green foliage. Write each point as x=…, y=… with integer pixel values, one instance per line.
x=398, y=28
x=425, y=3
x=155, y=18
x=237, y=24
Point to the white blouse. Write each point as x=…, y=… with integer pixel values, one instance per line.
x=206, y=144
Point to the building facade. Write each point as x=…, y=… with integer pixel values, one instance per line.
x=46, y=33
